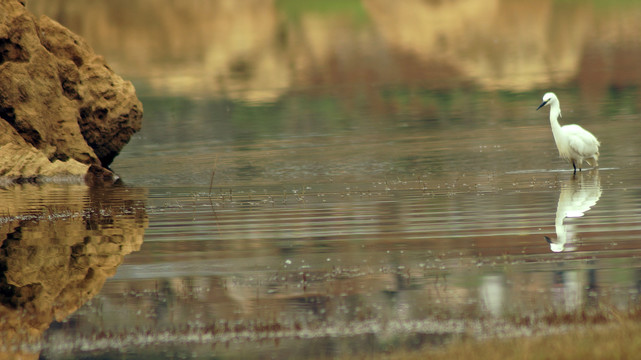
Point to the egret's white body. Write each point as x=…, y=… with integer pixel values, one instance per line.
x=575, y=144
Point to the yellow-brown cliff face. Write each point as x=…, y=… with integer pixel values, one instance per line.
x=257, y=50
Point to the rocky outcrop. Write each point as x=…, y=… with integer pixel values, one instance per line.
x=63, y=111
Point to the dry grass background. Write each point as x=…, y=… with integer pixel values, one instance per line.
x=614, y=340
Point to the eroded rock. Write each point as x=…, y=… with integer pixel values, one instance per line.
x=62, y=109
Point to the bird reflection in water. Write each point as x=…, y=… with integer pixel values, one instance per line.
x=578, y=195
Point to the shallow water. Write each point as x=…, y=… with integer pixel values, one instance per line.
x=337, y=245
x=332, y=219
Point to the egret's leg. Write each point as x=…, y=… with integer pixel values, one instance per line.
x=574, y=166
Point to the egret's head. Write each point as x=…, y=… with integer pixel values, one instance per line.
x=555, y=246
x=548, y=99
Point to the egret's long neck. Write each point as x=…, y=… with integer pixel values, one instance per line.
x=555, y=112
x=559, y=226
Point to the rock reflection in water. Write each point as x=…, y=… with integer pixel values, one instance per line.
x=58, y=245
x=578, y=195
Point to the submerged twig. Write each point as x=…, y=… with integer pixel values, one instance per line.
x=213, y=173
x=211, y=185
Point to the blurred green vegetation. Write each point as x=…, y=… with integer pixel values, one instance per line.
x=350, y=9
x=604, y=4
x=395, y=108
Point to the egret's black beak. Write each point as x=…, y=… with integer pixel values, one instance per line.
x=542, y=104
x=547, y=238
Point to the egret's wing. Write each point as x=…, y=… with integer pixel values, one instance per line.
x=582, y=201
x=581, y=141
x=576, y=201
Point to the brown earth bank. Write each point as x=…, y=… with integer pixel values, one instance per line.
x=63, y=111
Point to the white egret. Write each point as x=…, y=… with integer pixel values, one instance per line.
x=575, y=144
